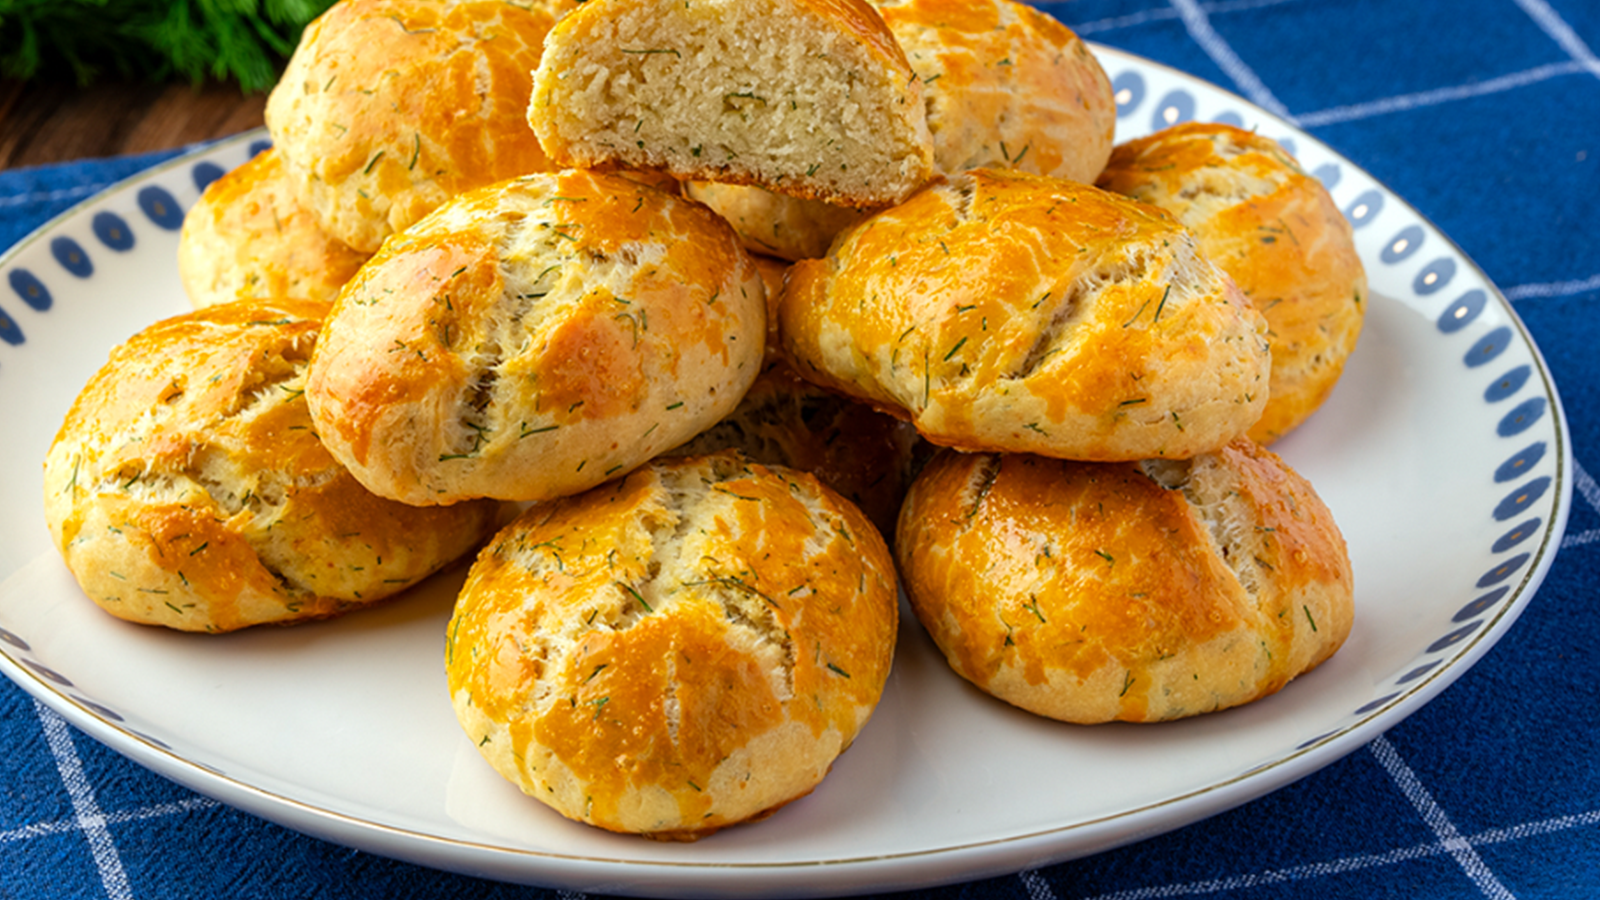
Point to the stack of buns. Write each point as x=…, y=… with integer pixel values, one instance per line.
x=468, y=275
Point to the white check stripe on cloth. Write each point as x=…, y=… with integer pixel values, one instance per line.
x=1560, y=32
x=1436, y=96
x=65, y=826
x=1322, y=869
x=1554, y=289
x=1422, y=799
x=90, y=819
x=1198, y=24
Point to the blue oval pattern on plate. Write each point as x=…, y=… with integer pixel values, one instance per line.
x=1523, y=461
x=1364, y=209
x=113, y=231
x=1461, y=313
x=1435, y=276
x=204, y=173
x=1403, y=245
x=47, y=673
x=1521, y=418
x=1479, y=606
x=1503, y=571
x=32, y=291
x=1128, y=91
x=1517, y=535
x=1518, y=500
x=160, y=207
x=99, y=708
x=9, y=331
x=1175, y=108
x=1489, y=346
x=1507, y=384
x=1418, y=672
x=70, y=254
x=1369, y=707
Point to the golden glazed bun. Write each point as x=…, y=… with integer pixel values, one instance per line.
x=784, y=420
x=1006, y=311
x=1005, y=86
x=807, y=97
x=786, y=227
x=535, y=338
x=1089, y=592
x=390, y=107
x=186, y=487
x=248, y=237
x=677, y=651
x=1275, y=230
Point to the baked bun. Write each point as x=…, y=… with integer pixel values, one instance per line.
x=1005, y=86
x=681, y=650
x=1007, y=311
x=784, y=420
x=1089, y=592
x=535, y=338
x=1277, y=232
x=807, y=97
x=774, y=224
x=390, y=107
x=186, y=487
x=248, y=237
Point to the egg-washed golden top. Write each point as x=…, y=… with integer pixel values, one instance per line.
x=1111, y=573
x=1276, y=231
x=1006, y=86
x=536, y=337
x=646, y=630
x=248, y=236
x=390, y=107
x=784, y=420
x=1009, y=311
x=187, y=487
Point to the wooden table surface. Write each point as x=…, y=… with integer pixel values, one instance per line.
x=43, y=123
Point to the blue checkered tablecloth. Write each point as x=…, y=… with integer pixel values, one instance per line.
x=1485, y=115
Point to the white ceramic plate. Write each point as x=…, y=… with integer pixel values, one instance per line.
x=1443, y=454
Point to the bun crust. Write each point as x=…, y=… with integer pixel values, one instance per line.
x=786, y=227
x=535, y=338
x=1048, y=109
x=811, y=98
x=1137, y=592
x=1006, y=311
x=186, y=487
x=1277, y=232
x=1007, y=86
x=390, y=107
x=786, y=421
x=678, y=651
x=248, y=237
